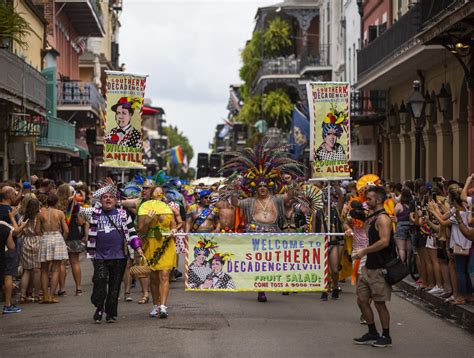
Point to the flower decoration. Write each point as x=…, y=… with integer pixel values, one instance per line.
x=208, y=246
x=222, y=257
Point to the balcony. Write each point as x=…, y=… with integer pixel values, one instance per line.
x=85, y=15
x=80, y=96
x=292, y=67
x=58, y=135
x=406, y=28
x=20, y=83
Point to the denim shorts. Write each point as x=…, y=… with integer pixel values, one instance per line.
x=403, y=230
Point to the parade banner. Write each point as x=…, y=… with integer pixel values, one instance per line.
x=123, y=141
x=330, y=129
x=257, y=262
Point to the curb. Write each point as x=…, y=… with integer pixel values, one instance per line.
x=461, y=314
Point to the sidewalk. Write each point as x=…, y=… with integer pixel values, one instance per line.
x=462, y=315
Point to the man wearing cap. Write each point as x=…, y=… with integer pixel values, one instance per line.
x=111, y=230
x=202, y=217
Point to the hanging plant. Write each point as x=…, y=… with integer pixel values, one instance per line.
x=276, y=38
x=277, y=108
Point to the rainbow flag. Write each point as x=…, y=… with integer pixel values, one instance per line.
x=177, y=156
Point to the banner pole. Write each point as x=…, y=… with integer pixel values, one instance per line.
x=123, y=176
x=329, y=206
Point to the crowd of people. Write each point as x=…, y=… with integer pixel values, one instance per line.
x=46, y=226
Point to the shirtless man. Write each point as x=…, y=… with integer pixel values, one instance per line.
x=263, y=213
x=226, y=215
x=202, y=217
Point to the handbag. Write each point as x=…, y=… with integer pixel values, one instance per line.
x=395, y=271
x=458, y=250
x=140, y=270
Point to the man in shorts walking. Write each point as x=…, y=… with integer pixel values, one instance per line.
x=372, y=284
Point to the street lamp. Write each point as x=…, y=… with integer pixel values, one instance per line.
x=417, y=103
x=443, y=99
x=403, y=113
x=392, y=118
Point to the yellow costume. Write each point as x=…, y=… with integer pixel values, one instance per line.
x=154, y=240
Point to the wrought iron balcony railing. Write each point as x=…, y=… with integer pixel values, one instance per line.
x=57, y=133
x=76, y=93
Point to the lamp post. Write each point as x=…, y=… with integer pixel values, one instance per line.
x=417, y=103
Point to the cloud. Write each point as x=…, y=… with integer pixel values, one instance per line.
x=191, y=52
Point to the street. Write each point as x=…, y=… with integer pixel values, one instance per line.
x=224, y=325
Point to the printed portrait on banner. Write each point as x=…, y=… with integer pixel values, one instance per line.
x=329, y=108
x=123, y=141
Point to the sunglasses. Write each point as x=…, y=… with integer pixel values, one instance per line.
x=205, y=197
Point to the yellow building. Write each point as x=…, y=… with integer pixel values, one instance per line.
x=35, y=38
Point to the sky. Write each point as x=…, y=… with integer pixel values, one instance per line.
x=191, y=51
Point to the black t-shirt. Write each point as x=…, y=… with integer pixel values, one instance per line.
x=4, y=234
x=4, y=210
x=379, y=259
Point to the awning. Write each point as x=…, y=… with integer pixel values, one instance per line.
x=151, y=111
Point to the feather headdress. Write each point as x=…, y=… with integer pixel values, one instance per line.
x=262, y=163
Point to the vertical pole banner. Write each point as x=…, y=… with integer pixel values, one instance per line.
x=330, y=129
x=123, y=139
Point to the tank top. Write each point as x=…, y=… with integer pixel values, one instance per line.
x=405, y=214
x=379, y=259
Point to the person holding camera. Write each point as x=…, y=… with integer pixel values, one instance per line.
x=459, y=244
x=372, y=283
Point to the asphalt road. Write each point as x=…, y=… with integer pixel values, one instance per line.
x=224, y=325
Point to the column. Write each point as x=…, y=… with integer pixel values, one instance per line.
x=429, y=137
x=460, y=157
x=444, y=150
x=406, y=157
x=395, y=158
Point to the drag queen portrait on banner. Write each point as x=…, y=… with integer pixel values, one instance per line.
x=218, y=278
x=125, y=133
x=333, y=127
x=200, y=268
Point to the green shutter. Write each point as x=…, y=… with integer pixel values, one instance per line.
x=51, y=91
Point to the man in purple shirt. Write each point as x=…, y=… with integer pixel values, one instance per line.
x=111, y=229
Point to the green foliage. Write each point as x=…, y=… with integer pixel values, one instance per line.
x=250, y=112
x=276, y=38
x=251, y=57
x=175, y=137
x=13, y=27
x=277, y=108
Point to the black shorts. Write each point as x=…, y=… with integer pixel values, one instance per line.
x=12, y=261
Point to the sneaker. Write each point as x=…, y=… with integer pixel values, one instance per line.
x=98, y=315
x=324, y=296
x=178, y=274
x=154, y=311
x=382, y=342
x=367, y=339
x=435, y=290
x=335, y=294
x=450, y=299
x=110, y=319
x=261, y=297
x=11, y=309
x=446, y=295
x=163, y=311
x=128, y=298
x=362, y=320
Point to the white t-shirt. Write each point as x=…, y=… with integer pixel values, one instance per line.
x=457, y=236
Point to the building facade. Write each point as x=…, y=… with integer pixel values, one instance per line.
x=431, y=43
